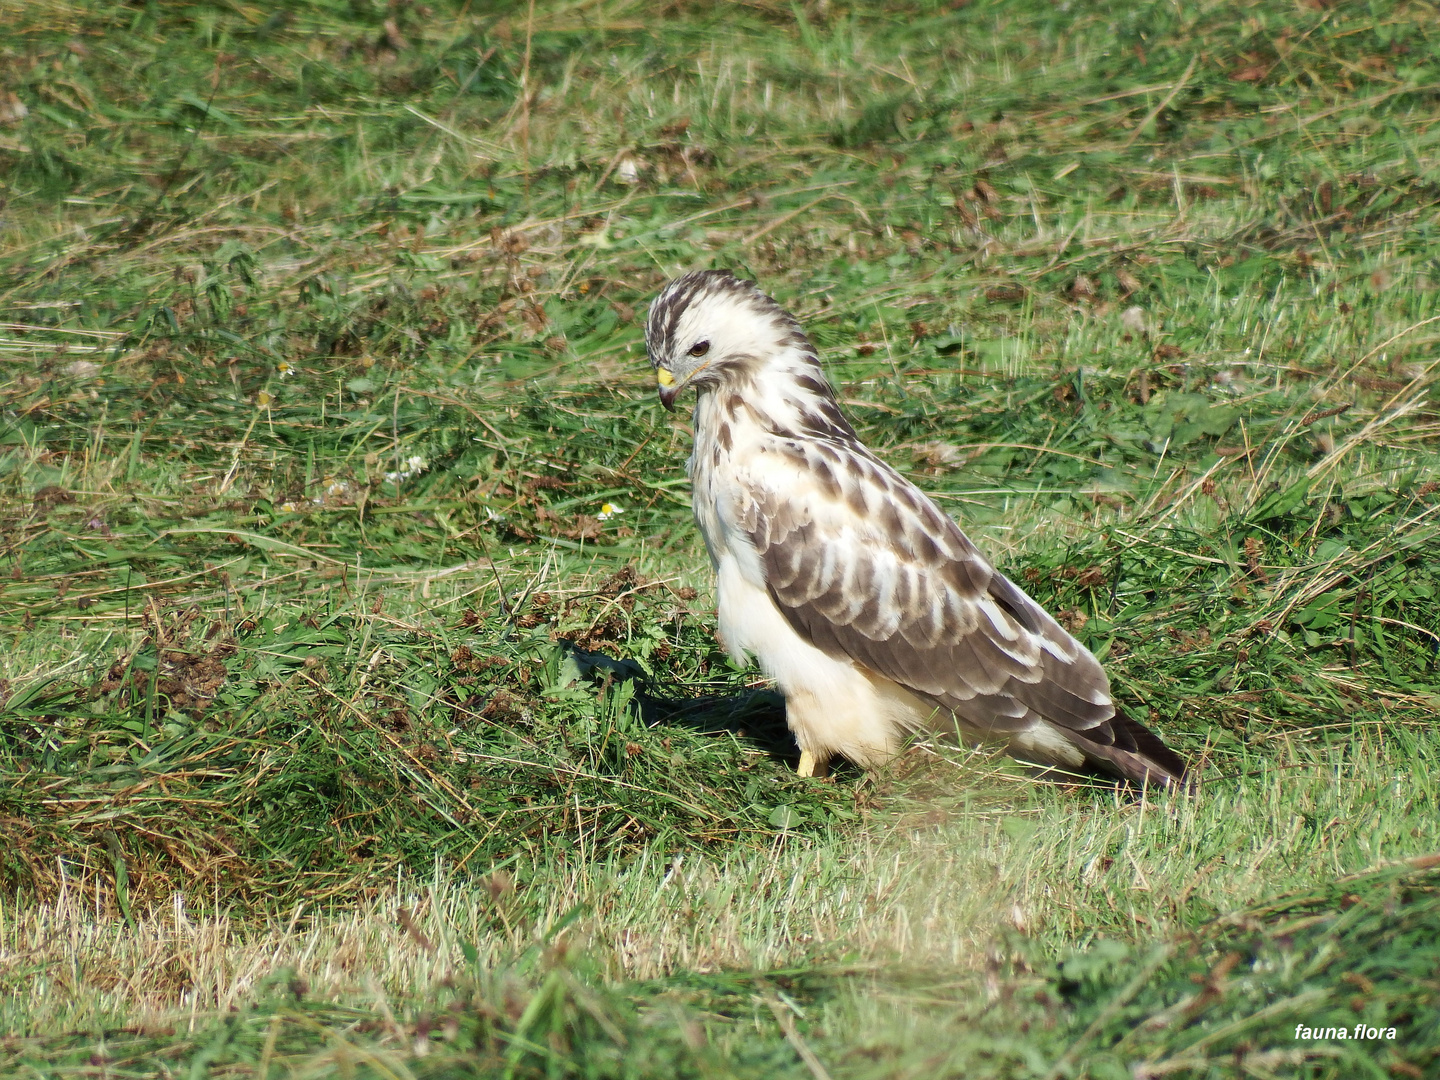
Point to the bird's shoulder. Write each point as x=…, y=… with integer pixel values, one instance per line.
x=820, y=483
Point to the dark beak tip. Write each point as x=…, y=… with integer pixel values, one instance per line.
x=667, y=397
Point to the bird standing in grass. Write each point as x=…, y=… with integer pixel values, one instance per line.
x=876, y=616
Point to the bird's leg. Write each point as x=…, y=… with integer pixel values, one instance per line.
x=810, y=767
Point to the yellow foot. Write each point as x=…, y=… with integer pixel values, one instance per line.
x=810, y=767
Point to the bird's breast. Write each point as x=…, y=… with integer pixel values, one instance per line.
x=709, y=473
x=719, y=485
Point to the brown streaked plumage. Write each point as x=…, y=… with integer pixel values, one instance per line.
x=874, y=613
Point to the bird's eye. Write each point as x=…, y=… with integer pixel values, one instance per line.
x=700, y=348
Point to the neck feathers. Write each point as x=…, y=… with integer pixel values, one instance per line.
x=785, y=392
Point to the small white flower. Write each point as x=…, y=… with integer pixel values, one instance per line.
x=1134, y=321
x=414, y=466
x=285, y=369
x=334, y=493
x=609, y=510
x=628, y=171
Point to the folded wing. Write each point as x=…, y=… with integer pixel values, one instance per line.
x=864, y=565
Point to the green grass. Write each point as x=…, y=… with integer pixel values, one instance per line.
x=343, y=732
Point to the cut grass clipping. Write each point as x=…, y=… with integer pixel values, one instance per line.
x=360, y=710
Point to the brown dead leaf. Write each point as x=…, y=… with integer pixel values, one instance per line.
x=1254, y=549
x=937, y=455
x=1001, y=294
x=393, y=38
x=511, y=243
x=583, y=527
x=12, y=109
x=51, y=495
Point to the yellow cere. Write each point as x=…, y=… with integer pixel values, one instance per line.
x=663, y=377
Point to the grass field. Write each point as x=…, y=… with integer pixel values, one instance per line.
x=360, y=711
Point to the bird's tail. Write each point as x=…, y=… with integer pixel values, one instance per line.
x=1135, y=753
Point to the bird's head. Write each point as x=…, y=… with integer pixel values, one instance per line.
x=709, y=326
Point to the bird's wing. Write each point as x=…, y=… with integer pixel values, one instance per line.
x=862, y=564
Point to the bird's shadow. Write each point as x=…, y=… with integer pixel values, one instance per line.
x=756, y=716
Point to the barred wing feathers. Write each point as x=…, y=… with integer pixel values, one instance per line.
x=863, y=565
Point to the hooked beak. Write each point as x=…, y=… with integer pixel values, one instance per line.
x=667, y=386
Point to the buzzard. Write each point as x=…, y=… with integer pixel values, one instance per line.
x=876, y=616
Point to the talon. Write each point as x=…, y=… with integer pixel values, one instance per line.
x=810, y=767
